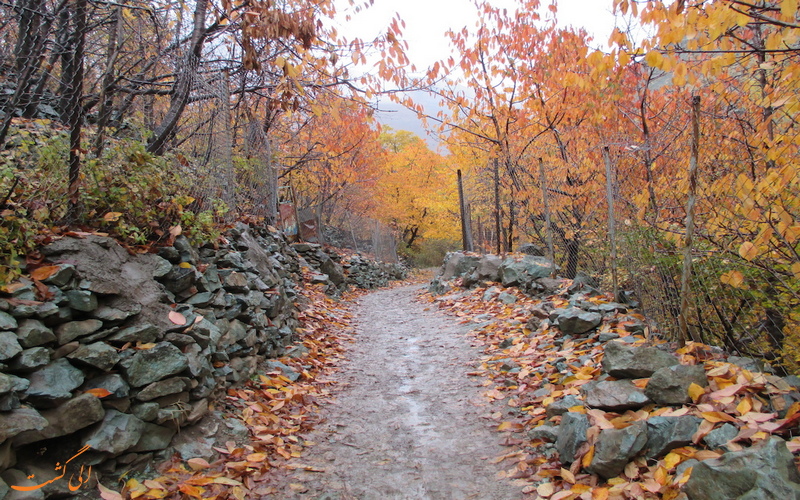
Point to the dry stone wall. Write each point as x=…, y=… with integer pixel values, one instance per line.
x=119, y=351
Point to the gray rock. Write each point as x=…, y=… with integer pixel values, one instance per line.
x=75, y=414
x=615, y=395
x=9, y=346
x=764, y=471
x=333, y=270
x=272, y=365
x=154, y=438
x=53, y=384
x=162, y=388
x=7, y=321
x=113, y=316
x=235, y=283
x=489, y=268
x=32, y=333
x=146, y=411
x=574, y=321
x=19, y=420
x=546, y=433
x=180, y=279
x=144, y=332
x=507, y=298
x=154, y=364
x=62, y=276
x=607, y=336
x=99, y=355
x=616, y=447
x=571, y=435
x=562, y=405
x=670, y=385
x=117, y=432
x=10, y=383
x=19, y=478
x=205, y=333
x=457, y=264
x=531, y=249
x=68, y=332
x=623, y=361
x=667, y=433
x=112, y=382
x=30, y=359
x=720, y=436
x=82, y=300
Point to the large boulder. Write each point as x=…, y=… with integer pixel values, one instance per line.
x=667, y=433
x=764, y=471
x=615, y=395
x=670, y=385
x=622, y=361
x=574, y=321
x=458, y=264
x=571, y=435
x=615, y=448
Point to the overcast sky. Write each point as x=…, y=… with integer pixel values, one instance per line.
x=428, y=20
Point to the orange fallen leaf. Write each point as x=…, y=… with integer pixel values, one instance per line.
x=43, y=273
x=717, y=416
x=99, y=392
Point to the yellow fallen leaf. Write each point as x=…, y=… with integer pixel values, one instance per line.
x=695, y=391
x=112, y=216
x=185, y=265
x=671, y=460
x=568, y=476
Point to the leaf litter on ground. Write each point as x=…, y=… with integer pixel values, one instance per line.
x=520, y=369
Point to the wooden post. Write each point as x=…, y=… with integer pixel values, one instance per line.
x=466, y=234
x=497, y=226
x=470, y=239
x=688, y=239
x=548, y=230
x=612, y=234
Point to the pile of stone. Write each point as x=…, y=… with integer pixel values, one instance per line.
x=765, y=470
x=127, y=349
x=337, y=272
x=368, y=274
x=529, y=273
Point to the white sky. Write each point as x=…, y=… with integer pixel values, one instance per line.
x=428, y=20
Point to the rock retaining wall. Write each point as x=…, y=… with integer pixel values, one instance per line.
x=119, y=351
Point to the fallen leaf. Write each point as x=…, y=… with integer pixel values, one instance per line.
x=177, y=318
x=545, y=490
x=112, y=216
x=99, y=392
x=42, y=273
x=107, y=494
x=695, y=391
x=198, y=463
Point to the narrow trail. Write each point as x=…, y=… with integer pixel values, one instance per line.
x=406, y=422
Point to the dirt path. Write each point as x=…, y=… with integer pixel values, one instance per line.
x=407, y=422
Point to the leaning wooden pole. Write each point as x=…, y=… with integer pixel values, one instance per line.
x=612, y=233
x=688, y=239
x=548, y=229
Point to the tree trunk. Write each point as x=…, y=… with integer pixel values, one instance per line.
x=183, y=82
x=75, y=110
